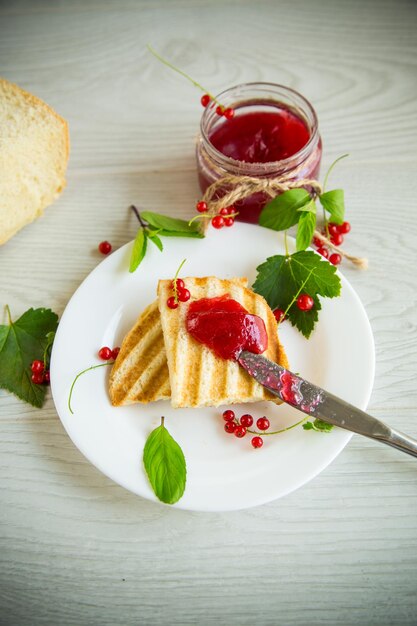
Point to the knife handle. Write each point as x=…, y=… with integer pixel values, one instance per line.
x=400, y=441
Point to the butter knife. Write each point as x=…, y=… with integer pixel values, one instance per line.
x=317, y=402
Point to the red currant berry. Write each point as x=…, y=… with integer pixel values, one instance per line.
x=183, y=295
x=179, y=284
x=104, y=353
x=115, y=353
x=230, y=427
x=201, y=206
x=324, y=252
x=337, y=239
x=205, y=99
x=240, y=431
x=335, y=259
x=46, y=378
x=279, y=315
x=257, y=442
x=317, y=242
x=229, y=221
x=220, y=110
x=344, y=228
x=231, y=209
x=228, y=415
x=37, y=367
x=333, y=228
x=229, y=113
x=37, y=378
x=217, y=221
x=262, y=423
x=104, y=247
x=224, y=211
x=172, y=303
x=305, y=302
x=246, y=420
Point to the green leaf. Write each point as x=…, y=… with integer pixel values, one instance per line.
x=319, y=426
x=50, y=337
x=139, y=249
x=282, y=212
x=170, y=226
x=22, y=342
x=334, y=203
x=165, y=465
x=281, y=278
x=156, y=240
x=178, y=233
x=306, y=227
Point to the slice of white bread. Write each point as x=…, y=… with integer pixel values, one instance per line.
x=34, y=149
x=197, y=376
x=140, y=372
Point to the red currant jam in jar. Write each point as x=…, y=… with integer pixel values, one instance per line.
x=273, y=134
x=226, y=327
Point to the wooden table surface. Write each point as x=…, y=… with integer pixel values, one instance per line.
x=75, y=547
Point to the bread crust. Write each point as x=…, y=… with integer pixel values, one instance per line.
x=26, y=103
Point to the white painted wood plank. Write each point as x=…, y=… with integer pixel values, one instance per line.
x=356, y=62
x=77, y=549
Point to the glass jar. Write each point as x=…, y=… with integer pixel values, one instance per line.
x=257, y=107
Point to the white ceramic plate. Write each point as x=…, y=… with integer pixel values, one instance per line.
x=223, y=472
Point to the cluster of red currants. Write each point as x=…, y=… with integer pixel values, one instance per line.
x=105, y=353
x=239, y=427
x=336, y=233
x=181, y=294
x=228, y=113
x=40, y=375
x=225, y=217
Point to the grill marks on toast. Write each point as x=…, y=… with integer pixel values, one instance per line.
x=197, y=376
x=140, y=372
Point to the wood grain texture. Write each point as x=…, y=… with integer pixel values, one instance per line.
x=76, y=549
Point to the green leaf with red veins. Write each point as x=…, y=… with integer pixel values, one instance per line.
x=282, y=212
x=281, y=279
x=334, y=202
x=21, y=343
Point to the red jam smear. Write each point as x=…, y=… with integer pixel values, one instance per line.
x=226, y=327
x=261, y=136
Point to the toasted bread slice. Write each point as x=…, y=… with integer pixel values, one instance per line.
x=140, y=372
x=197, y=376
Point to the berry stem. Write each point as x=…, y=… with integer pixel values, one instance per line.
x=9, y=315
x=93, y=367
x=174, y=282
x=176, y=69
x=286, y=244
x=282, y=430
x=330, y=169
x=136, y=212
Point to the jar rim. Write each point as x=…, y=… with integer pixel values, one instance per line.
x=278, y=165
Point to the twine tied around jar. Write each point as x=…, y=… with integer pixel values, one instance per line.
x=241, y=187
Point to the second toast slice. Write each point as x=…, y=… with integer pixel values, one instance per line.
x=197, y=376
